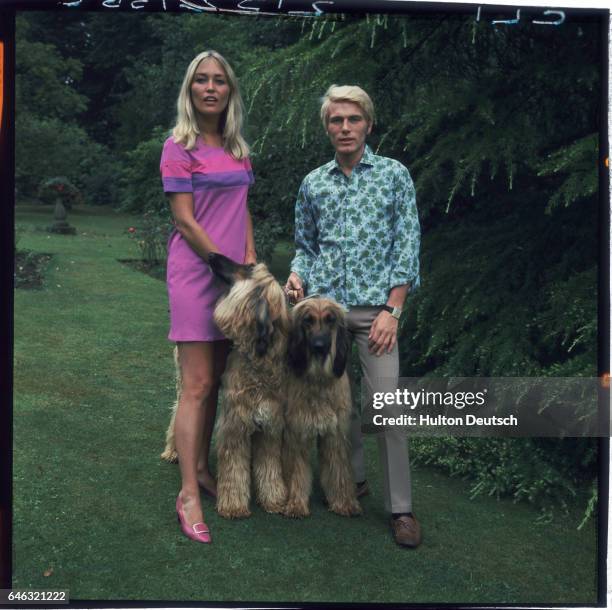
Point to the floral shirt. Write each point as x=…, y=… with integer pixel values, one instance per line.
x=357, y=236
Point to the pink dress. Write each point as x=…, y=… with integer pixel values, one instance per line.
x=219, y=184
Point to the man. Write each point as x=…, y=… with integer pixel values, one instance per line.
x=357, y=241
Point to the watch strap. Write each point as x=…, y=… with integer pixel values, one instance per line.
x=396, y=312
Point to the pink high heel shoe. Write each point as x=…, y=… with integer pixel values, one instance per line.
x=198, y=531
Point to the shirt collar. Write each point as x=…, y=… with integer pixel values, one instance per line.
x=367, y=159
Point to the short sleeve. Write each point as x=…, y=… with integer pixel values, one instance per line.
x=175, y=167
x=249, y=170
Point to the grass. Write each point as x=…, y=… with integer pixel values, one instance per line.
x=94, y=504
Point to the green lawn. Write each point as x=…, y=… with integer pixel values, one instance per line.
x=94, y=504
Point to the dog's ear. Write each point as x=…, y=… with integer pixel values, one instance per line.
x=265, y=329
x=342, y=349
x=227, y=270
x=297, y=348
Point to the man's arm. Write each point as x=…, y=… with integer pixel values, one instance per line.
x=404, y=275
x=397, y=295
x=306, y=245
x=383, y=332
x=406, y=235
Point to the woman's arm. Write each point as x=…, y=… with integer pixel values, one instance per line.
x=250, y=256
x=181, y=205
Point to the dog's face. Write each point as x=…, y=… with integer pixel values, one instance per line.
x=253, y=314
x=318, y=339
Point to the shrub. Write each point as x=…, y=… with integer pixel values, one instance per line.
x=152, y=236
x=99, y=175
x=140, y=182
x=58, y=148
x=541, y=471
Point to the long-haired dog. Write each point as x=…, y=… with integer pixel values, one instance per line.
x=318, y=407
x=253, y=314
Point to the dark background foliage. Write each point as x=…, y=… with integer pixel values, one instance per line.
x=498, y=126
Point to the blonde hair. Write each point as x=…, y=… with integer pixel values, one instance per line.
x=186, y=130
x=347, y=93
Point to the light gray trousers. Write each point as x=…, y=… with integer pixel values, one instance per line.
x=392, y=443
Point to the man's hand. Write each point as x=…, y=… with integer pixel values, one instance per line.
x=383, y=334
x=293, y=288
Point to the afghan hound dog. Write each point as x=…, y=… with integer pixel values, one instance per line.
x=253, y=314
x=318, y=407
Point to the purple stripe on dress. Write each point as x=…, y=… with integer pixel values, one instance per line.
x=222, y=179
x=177, y=185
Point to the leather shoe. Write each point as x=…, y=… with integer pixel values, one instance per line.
x=406, y=530
x=363, y=489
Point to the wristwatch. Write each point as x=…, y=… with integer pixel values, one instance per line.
x=396, y=312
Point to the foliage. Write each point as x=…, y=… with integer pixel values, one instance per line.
x=59, y=187
x=36, y=134
x=140, y=183
x=267, y=230
x=139, y=192
x=540, y=471
x=531, y=313
x=86, y=164
x=44, y=79
x=575, y=162
x=50, y=141
x=591, y=509
x=151, y=237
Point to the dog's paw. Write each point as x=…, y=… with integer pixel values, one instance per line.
x=230, y=510
x=273, y=507
x=233, y=512
x=296, y=510
x=346, y=509
x=170, y=455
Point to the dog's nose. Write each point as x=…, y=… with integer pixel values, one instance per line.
x=320, y=344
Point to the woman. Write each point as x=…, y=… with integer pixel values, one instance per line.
x=206, y=174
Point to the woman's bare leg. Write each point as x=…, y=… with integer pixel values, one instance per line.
x=196, y=360
x=205, y=477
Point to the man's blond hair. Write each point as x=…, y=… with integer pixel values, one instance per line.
x=347, y=93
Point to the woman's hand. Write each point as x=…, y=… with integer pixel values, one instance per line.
x=250, y=258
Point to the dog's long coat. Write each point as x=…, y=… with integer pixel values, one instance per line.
x=318, y=407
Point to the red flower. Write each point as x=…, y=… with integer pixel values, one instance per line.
x=131, y=230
